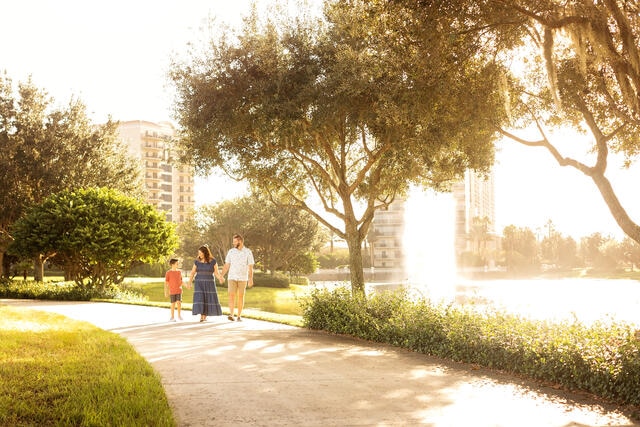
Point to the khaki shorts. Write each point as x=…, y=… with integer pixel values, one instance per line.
x=236, y=286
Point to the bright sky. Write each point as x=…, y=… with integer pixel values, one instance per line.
x=532, y=188
x=114, y=56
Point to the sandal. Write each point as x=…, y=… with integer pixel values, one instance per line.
x=230, y=318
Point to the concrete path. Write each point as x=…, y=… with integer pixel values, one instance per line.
x=255, y=373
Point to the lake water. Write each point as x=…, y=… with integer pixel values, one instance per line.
x=587, y=300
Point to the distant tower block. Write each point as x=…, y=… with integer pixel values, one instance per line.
x=474, y=228
x=169, y=186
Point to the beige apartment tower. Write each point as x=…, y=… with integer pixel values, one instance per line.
x=169, y=186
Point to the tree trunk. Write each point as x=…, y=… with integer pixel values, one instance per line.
x=620, y=215
x=355, y=263
x=38, y=269
x=3, y=273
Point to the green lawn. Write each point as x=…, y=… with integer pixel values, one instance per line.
x=58, y=371
x=273, y=304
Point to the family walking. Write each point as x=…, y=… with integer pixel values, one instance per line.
x=239, y=266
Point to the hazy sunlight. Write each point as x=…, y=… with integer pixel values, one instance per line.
x=428, y=244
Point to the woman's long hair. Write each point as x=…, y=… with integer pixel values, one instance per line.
x=206, y=252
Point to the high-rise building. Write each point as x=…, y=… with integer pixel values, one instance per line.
x=474, y=227
x=169, y=186
x=385, y=236
x=475, y=211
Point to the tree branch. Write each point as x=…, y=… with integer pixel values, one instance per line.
x=601, y=141
x=544, y=142
x=301, y=204
x=310, y=175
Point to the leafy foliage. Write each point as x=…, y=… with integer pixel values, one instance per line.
x=270, y=280
x=601, y=359
x=579, y=68
x=64, y=291
x=94, y=234
x=215, y=226
x=333, y=259
x=351, y=108
x=47, y=149
x=281, y=239
x=521, y=251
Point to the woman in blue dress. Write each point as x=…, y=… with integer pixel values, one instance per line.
x=205, y=294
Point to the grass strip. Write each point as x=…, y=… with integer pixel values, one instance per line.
x=58, y=371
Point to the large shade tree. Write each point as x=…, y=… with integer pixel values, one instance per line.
x=580, y=69
x=48, y=148
x=338, y=116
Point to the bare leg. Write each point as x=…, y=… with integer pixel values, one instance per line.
x=179, y=306
x=232, y=301
x=173, y=305
x=240, y=302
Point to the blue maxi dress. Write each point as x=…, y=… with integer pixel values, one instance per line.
x=205, y=294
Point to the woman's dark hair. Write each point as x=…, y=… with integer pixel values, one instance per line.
x=206, y=252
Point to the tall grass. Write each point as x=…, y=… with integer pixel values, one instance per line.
x=57, y=371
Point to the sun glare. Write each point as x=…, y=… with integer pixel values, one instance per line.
x=429, y=244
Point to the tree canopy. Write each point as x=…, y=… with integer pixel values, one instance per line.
x=580, y=69
x=47, y=149
x=520, y=249
x=338, y=115
x=280, y=238
x=94, y=235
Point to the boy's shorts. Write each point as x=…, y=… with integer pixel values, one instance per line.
x=176, y=297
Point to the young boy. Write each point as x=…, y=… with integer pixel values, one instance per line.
x=173, y=287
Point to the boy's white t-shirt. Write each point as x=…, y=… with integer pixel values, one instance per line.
x=239, y=261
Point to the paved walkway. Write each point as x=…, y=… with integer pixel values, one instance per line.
x=254, y=373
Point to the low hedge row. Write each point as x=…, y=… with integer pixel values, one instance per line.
x=63, y=291
x=276, y=280
x=603, y=359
